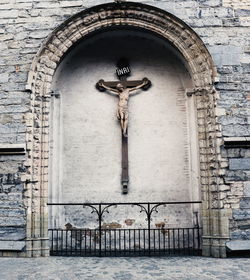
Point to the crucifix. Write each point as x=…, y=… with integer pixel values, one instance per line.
x=123, y=89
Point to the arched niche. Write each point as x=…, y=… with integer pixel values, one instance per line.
x=85, y=136
x=185, y=43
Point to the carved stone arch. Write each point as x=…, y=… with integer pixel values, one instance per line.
x=164, y=24
x=203, y=74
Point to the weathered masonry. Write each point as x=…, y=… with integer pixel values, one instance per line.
x=189, y=133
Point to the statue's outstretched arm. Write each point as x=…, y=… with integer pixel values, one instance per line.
x=145, y=81
x=110, y=89
x=101, y=84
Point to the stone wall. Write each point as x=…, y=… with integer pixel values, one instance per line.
x=223, y=25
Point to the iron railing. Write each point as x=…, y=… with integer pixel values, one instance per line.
x=126, y=241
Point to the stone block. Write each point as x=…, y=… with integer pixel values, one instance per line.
x=245, y=58
x=76, y=3
x=224, y=188
x=245, y=203
x=12, y=233
x=10, y=188
x=20, y=76
x=12, y=245
x=225, y=55
x=223, y=152
x=13, y=212
x=12, y=128
x=8, y=14
x=46, y=4
x=245, y=21
x=236, y=95
x=8, y=166
x=219, y=12
x=247, y=189
x=21, y=1
x=236, y=4
x=12, y=221
x=10, y=179
x=240, y=234
x=239, y=163
x=211, y=3
x=205, y=22
x=13, y=109
x=226, y=120
x=233, y=153
x=246, y=69
x=236, y=130
x=231, y=22
x=11, y=101
x=3, y=46
x=4, y=77
x=237, y=175
x=238, y=245
x=239, y=214
x=10, y=200
x=246, y=87
x=39, y=34
x=234, y=86
x=12, y=87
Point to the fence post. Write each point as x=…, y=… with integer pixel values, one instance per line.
x=149, y=234
x=100, y=229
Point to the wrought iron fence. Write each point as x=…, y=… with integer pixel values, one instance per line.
x=126, y=242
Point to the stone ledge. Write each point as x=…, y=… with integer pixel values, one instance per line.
x=238, y=139
x=239, y=163
x=12, y=149
x=12, y=245
x=236, y=142
x=238, y=245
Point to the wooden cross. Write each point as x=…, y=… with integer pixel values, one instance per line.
x=123, y=89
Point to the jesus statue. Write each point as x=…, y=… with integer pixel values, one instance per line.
x=123, y=93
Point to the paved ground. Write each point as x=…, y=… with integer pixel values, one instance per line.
x=61, y=268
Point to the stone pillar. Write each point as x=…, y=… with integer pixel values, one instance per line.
x=215, y=232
